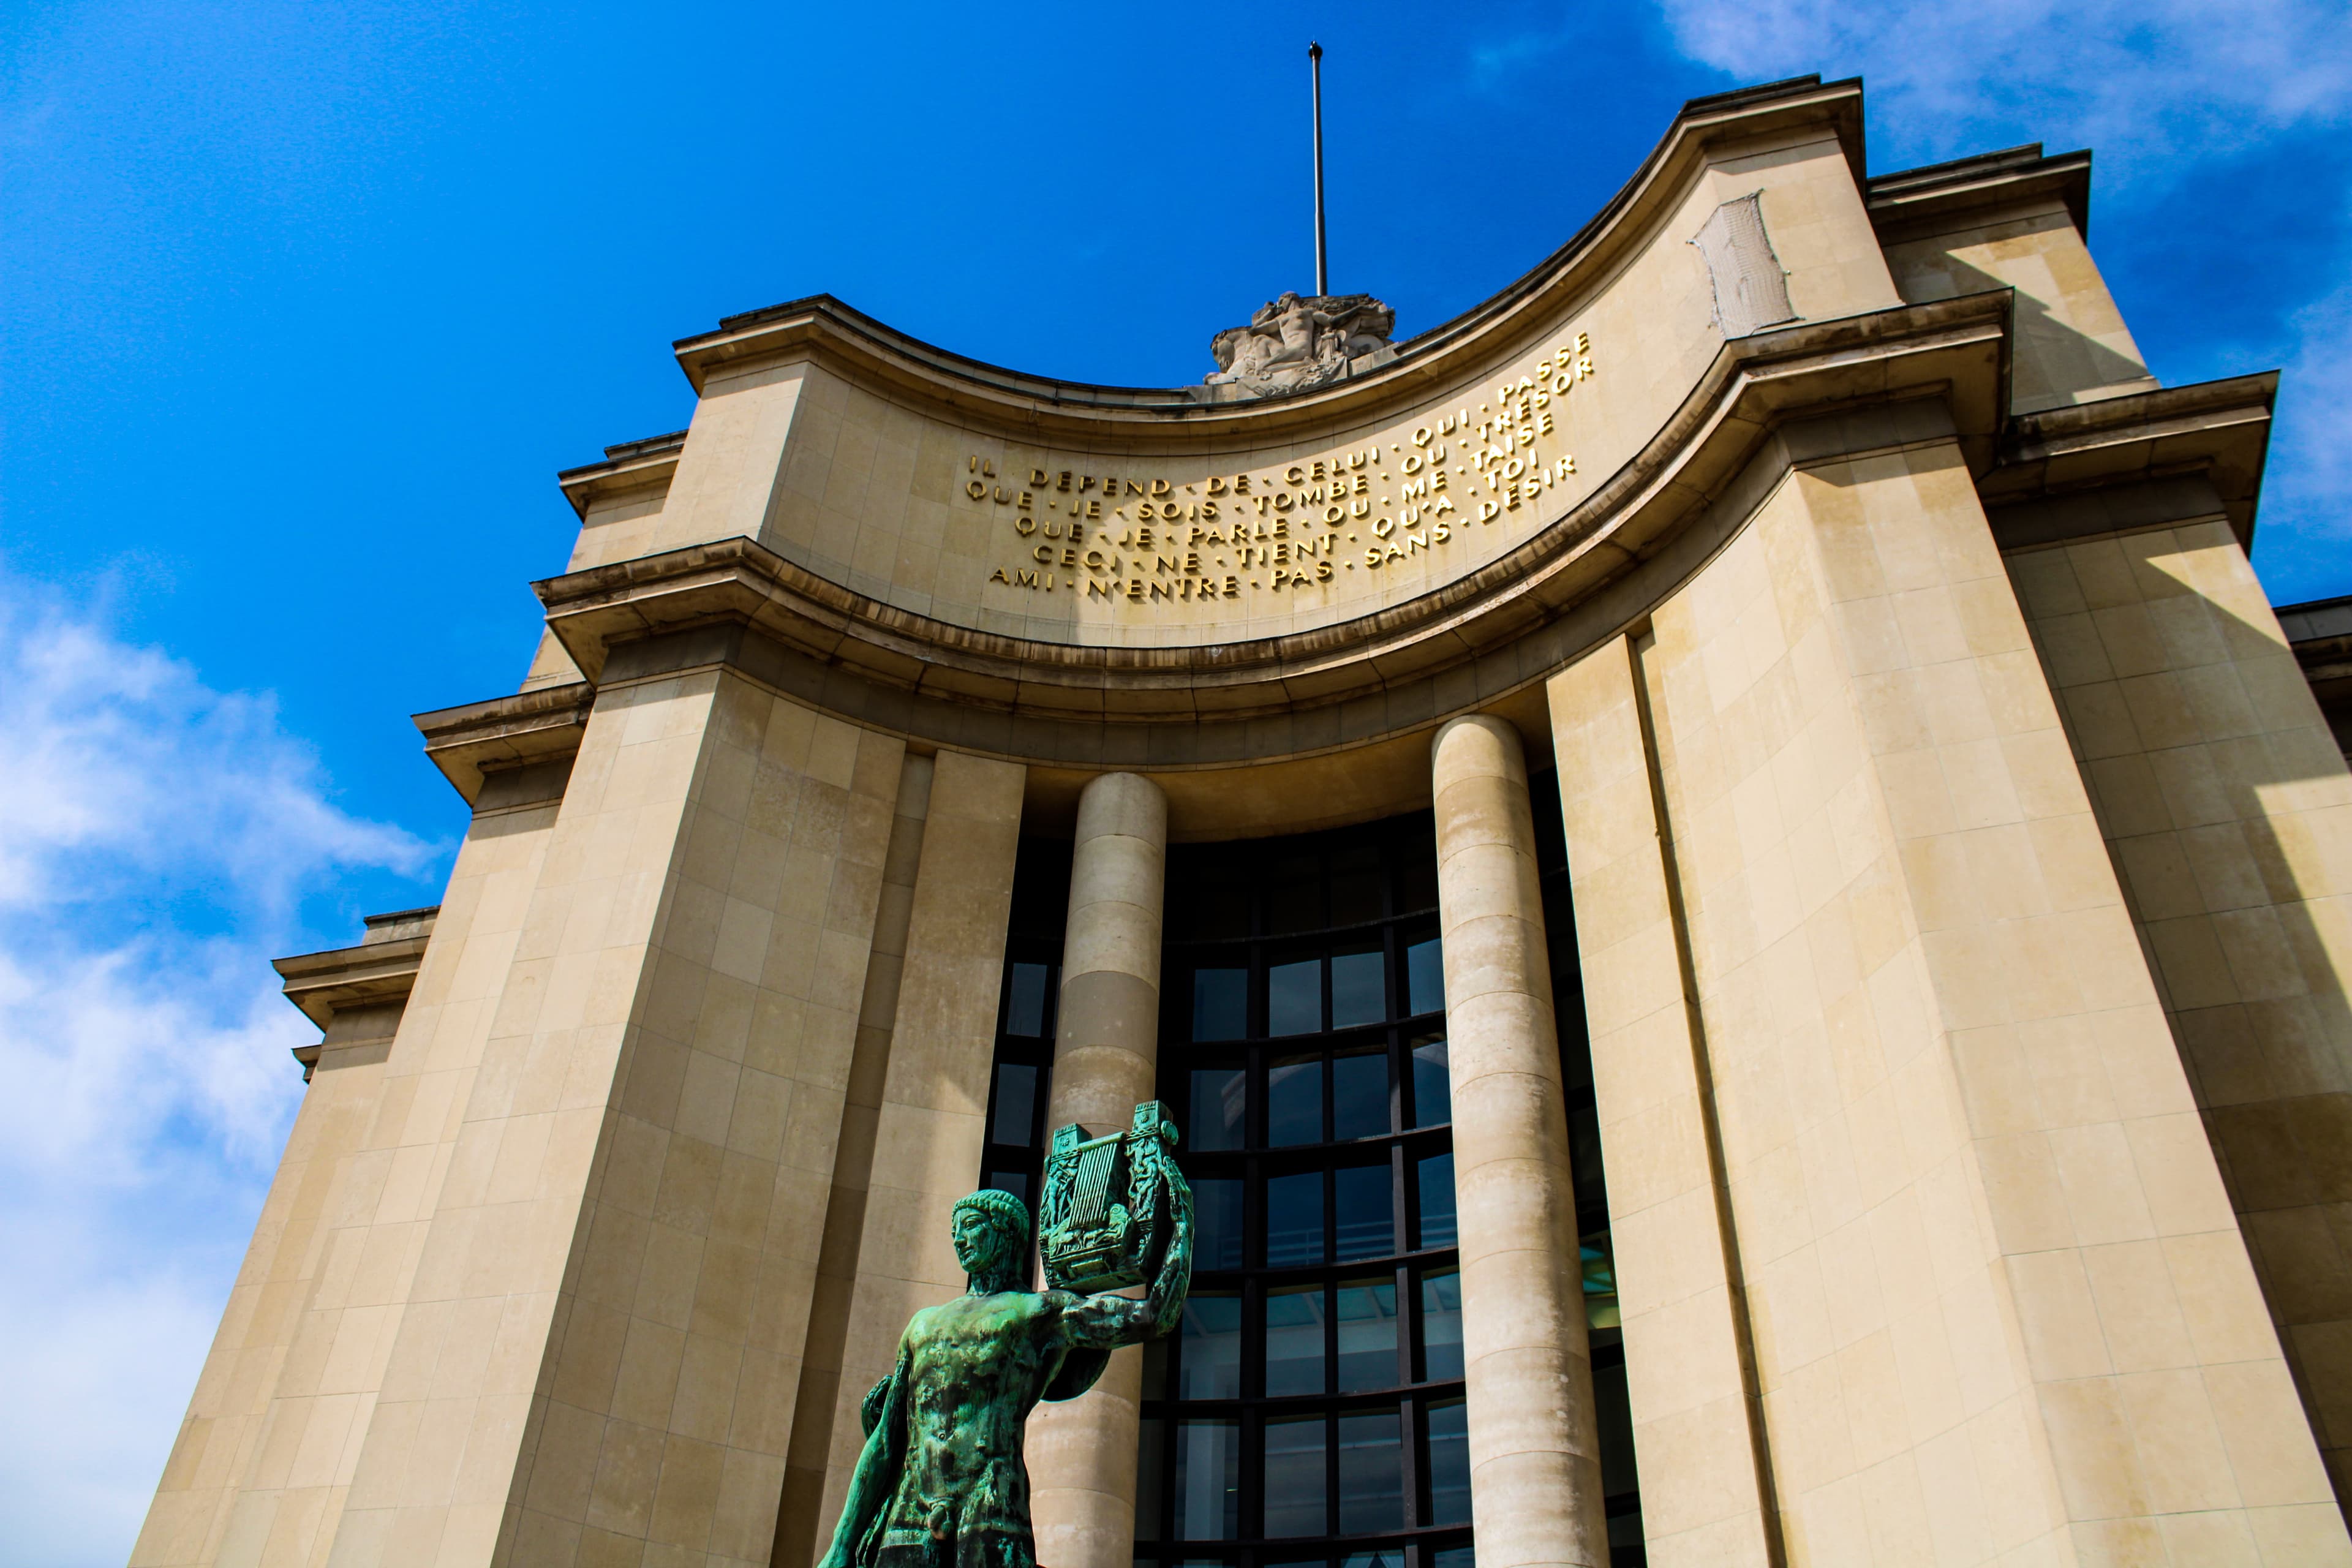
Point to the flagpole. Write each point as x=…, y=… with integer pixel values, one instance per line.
x=1322, y=272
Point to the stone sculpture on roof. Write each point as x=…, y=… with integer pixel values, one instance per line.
x=1293, y=343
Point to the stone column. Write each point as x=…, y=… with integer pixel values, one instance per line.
x=1105, y=1061
x=1535, y=1468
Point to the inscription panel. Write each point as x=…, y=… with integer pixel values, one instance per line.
x=1145, y=534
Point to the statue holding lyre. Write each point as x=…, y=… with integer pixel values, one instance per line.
x=941, y=1482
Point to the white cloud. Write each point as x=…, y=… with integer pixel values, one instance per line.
x=2138, y=79
x=156, y=838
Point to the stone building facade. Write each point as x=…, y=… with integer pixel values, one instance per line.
x=1741, y=901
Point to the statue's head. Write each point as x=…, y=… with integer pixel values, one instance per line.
x=992, y=1236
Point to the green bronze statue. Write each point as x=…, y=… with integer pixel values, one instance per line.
x=941, y=1482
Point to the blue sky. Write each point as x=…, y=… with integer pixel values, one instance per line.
x=302, y=305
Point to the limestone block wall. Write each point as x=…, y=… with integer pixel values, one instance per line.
x=225, y=1423
x=2071, y=344
x=928, y=1130
x=594, y=1344
x=2228, y=811
x=1706, y=1479
x=1999, y=1306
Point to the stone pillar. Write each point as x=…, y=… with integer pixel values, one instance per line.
x=1535, y=1468
x=1105, y=1061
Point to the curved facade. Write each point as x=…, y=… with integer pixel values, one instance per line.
x=1741, y=898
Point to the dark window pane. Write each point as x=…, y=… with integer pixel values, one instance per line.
x=1295, y=1478
x=1220, y=1004
x=1360, y=1095
x=1294, y=1342
x=1441, y=1326
x=1155, y=1370
x=1424, y=978
x=1219, y=1101
x=1584, y=1158
x=1150, y=1455
x=1459, y=1557
x=1368, y=1335
x=1432, y=1085
x=1294, y=997
x=1359, y=988
x=1436, y=1177
x=1295, y=901
x=1449, y=1462
x=1365, y=1207
x=1024, y=1008
x=1208, y=1480
x=1372, y=1473
x=1214, y=904
x=1391, y=1558
x=1417, y=877
x=1303, y=1563
x=1357, y=880
x=1294, y=1220
x=1013, y=1181
x=1614, y=1426
x=1294, y=1102
x=1209, y=1355
x=1016, y=1106
x=1216, y=1222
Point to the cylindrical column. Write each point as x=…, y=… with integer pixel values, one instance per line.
x=1106, y=1062
x=1535, y=1468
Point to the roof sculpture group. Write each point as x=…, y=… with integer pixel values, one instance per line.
x=1293, y=344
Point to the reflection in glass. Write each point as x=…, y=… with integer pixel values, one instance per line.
x=1294, y=1219
x=1391, y=1558
x=1460, y=1557
x=1294, y=997
x=1016, y=1106
x=1209, y=1359
x=1294, y=1102
x=1424, y=978
x=1436, y=1179
x=1024, y=1007
x=1360, y=1095
x=1208, y=1479
x=1295, y=1503
x=1220, y=1004
x=1363, y=1203
x=1294, y=1342
x=1013, y=1181
x=1359, y=988
x=1368, y=1335
x=1441, y=1326
x=1216, y=1222
x=1432, y=1087
x=1220, y=1096
x=1372, y=1473
x=1449, y=1463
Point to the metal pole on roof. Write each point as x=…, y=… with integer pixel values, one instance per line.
x=1322, y=269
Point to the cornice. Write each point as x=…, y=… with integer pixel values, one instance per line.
x=823, y=328
x=629, y=465
x=2219, y=430
x=1939, y=197
x=543, y=725
x=379, y=970
x=1953, y=352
